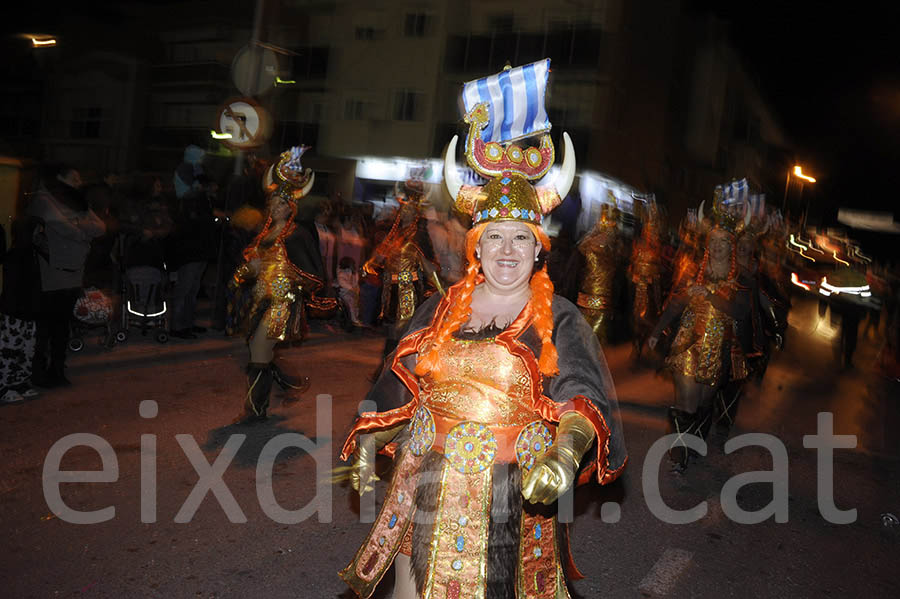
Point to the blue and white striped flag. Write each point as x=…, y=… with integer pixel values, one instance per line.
x=515, y=100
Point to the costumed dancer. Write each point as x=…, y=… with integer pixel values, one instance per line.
x=406, y=261
x=773, y=281
x=494, y=400
x=596, y=260
x=706, y=352
x=766, y=322
x=268, y=288
x=687, y=256
x=645, y=271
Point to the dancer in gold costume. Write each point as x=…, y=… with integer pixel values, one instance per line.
x=645, y=270
x=498, y=399
x=406, y=261
x=268, y=288
x=687, y=257
x=598, y=256
x=706, y=352
x=762, y=326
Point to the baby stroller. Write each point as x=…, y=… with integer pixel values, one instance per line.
x=145, y=305
x=92, y=310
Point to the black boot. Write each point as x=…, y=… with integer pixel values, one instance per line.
x=704, y=423
x=256, y=400
x=287, y=382
x=681, y=423
x=726, y=409
x=40, y=375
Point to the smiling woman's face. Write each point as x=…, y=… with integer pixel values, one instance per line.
x=508, y=251
x=720, y=247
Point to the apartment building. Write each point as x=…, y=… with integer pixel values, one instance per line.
x=654, y=98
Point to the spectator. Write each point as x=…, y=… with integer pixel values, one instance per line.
x=63, y=242
x=187, y=254
x=187, y=174
x=100, y=271
x=348, y=288
x=350, y=243
x=18, y=313
x=327, y=240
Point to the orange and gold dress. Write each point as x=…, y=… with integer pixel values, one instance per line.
x=402, y=285
x=595, y=298
x=706, y=346
x=484, y=417
x=645, y=272
x=276, y=293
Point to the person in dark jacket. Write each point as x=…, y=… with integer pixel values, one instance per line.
x=187, y=254
x=63, y=241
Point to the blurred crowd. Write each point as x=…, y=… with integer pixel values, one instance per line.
x=125, y=252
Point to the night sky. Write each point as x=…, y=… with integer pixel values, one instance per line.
x=832, y=72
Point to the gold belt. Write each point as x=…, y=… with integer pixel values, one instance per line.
x=473, y=446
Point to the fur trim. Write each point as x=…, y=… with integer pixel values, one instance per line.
x=504, y=531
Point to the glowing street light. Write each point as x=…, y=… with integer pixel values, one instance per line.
x=42, y=42
x=798, y=172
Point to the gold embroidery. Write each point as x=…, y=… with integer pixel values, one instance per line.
x=481, y=382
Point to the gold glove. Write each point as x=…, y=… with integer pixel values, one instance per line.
x=243, y=273
x=554, y=472
x=362, y=471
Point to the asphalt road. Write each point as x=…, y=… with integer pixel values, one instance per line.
x=161, y=543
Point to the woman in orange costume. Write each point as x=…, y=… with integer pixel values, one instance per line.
x=498, y=399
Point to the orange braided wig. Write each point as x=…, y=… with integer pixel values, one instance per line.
x=461, y=310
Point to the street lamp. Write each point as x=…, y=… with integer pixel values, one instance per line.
x=797, y=172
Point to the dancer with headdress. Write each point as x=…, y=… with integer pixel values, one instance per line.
x=407, y=264
x=268, y=288
x=645, y=271
x=706, y=352
x=761, y=322
x=497, y=399
x=595, y=263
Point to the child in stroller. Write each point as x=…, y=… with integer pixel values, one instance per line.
x=92, y=310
